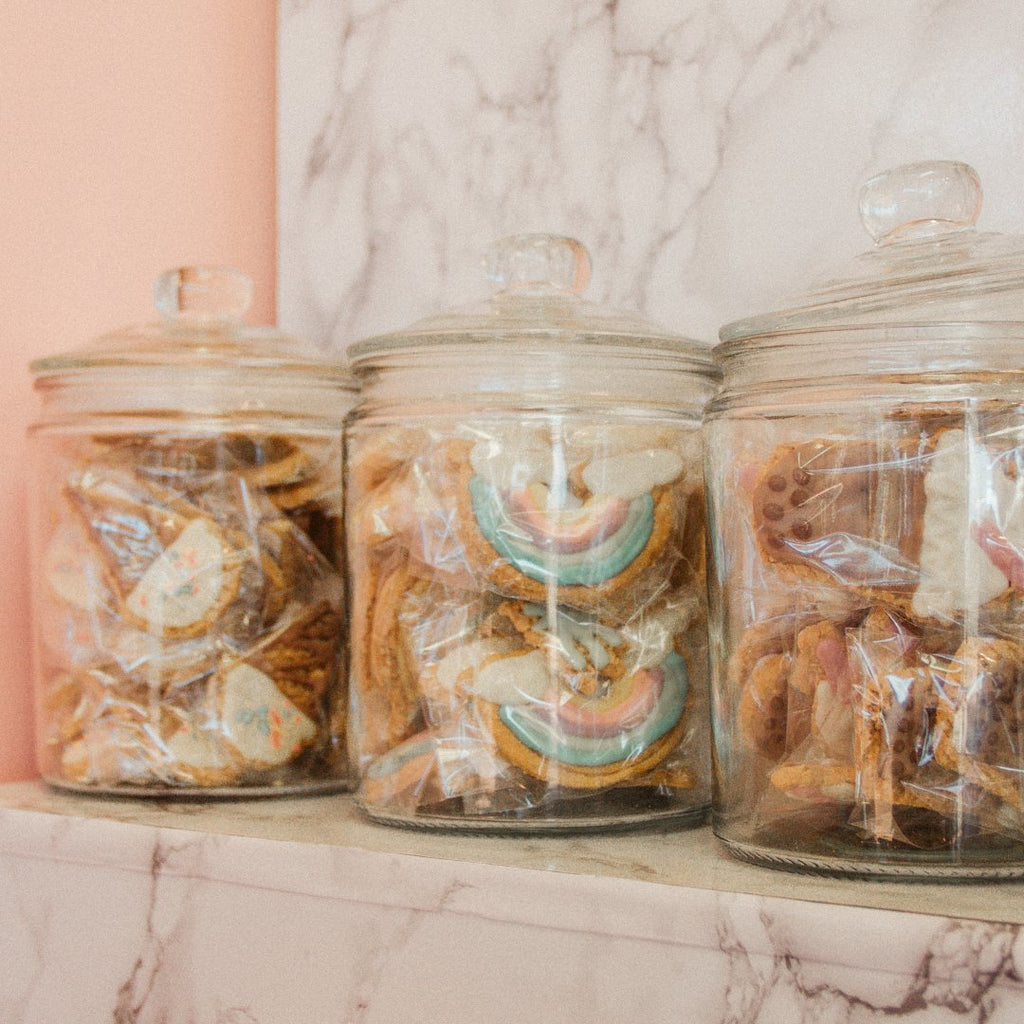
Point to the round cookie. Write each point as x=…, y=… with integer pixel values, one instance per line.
x=817, y=783
x=558, y=773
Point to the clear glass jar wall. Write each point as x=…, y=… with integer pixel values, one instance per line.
x=527, y=556
x=187, y=538
x=867, y=516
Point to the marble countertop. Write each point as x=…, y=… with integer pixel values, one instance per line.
x=299, y=909
x=688, y=858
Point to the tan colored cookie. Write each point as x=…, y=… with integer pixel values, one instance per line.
x=420, y=772
x=846, y=511
x=557, y=773
x=171, y=567
x=483, y=558
x=980, y=718
x=384, y=687
x=817, y=782
x=764, y=706
x=892, y=737
x=374, y=455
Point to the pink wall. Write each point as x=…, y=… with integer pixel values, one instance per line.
x=135, y=137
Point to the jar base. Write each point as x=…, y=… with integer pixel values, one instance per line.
x=982, y=865
x=317, y=787
x=537, y=821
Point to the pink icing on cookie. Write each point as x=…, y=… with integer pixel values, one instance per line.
x=831, y=654
x=566, y=530
x=1000, y=551
x=591, y=718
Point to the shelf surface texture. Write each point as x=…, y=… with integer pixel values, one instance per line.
x=299, y=909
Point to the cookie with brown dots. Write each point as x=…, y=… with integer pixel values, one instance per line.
x=846, y=511
x=893, y=734
x=764, y=706
x=980, y=719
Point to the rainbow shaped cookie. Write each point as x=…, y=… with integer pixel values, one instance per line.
x=585, y=531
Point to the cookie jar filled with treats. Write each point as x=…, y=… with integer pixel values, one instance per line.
x=866, y=486
x=187, y=548
x=527, y=561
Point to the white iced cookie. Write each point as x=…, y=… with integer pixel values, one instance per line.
x=653, y=635
x=494, y=668
x=507, y=466
x=962, y=489
x=258, y=720
x=631, y=474
x=197, y=753
x=73, y=573
x=184, y=584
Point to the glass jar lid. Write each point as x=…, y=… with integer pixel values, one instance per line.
x=537, y=305
x=931, y=278
x=203, y=309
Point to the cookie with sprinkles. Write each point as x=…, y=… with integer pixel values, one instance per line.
x=172, y=568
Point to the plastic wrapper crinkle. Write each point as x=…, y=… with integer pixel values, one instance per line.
x=529, y=627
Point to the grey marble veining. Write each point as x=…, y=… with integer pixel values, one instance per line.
x=133, y=912
x=707, y=152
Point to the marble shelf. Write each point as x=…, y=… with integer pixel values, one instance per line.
x=293, y=910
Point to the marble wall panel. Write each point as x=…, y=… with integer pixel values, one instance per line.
x=708, y=152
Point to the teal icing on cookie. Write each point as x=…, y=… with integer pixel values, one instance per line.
x=537, y=729
x=589, y=567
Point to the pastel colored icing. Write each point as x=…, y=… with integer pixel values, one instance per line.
x=581, y=639
x=629, y=474
x=548, y=732
x=525, y=549
x=954, y=574
x=259, y=720
x=184, y=582
x=565, y=530
x=628, y=705
x=72, y=572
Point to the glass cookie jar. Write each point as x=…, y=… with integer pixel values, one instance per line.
x=527, y=561
x=866, y=488
x=187, y=550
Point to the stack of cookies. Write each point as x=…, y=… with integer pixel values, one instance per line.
x=875, y=675
x=528, y=622
x=190, y=612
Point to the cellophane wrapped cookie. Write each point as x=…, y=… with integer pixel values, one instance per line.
x=529, y=635
x=188, y=595
x=869, y=571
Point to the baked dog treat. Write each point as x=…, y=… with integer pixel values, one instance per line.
x=586, y=535
x=170, y=567
x=876, y=517
x=384, y=697
x=848, y=512
x=577, y=727
x=191, y=617
x=980, y=720
x=519, y=602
